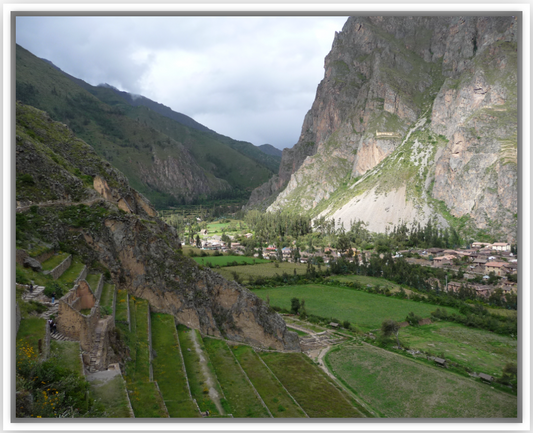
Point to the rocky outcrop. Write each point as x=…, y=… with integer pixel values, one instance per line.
x=120, y=232
x=446, y=85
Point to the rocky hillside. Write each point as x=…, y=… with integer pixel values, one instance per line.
x=416, y=118
x=68, y=198
x=164, y=155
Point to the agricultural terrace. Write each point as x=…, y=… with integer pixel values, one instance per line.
x=310, y=387
x=262, y=270
x=121, y=313
x=54, y=261
x=239, y=392
x=203, y=382
x=106, y=300
x=168, y=368
x=31, y=330
x=144, y=396
x=398, y=387
x=66, y=354
x=224, y=260
x=112, y=393
x=278, y=400
x=366, y=310
x=478, y=350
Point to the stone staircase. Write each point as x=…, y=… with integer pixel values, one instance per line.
x=60, y=337
x=35, y=295
x=52, y=310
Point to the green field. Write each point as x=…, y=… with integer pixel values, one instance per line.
x=279, y=402
x=168, y=368
x=397, y=387
x=366, y=310
x=224, y=260
x=242, y=400
x=310, y=386
x=481, y=351
x=54, y=261
x=262, y=270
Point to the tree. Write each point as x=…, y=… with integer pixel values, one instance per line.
x=198, y=241
x=389, y=328
x=295, y=305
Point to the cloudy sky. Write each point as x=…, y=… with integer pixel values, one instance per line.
x=251, y=78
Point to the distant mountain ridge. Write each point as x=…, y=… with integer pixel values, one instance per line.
x=270, y=150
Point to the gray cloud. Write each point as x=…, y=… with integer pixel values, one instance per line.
x=251, y=78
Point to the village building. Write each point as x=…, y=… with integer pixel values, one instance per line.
x=499, y=268
x=480, y=244
x=501, y=246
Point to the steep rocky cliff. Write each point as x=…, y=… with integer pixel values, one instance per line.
x=416, y=118
x=68, y=198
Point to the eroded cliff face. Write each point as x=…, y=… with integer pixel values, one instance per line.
x=112, y=225
x=442, y=88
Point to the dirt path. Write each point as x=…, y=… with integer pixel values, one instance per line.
x=209, y=380
x=59, y=203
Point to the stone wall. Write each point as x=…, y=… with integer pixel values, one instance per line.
x=61, y=268
x=20, y=255
x=44, y=256
x=99, y=287
x=71, y=322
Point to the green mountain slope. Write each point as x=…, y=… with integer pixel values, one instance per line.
x=165, y=160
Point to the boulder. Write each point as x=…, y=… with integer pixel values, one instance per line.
x=30, y=262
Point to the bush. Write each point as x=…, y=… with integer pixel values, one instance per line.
x=52, y=288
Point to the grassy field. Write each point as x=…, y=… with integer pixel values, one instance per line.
x=145, y=399
x=73, y=272
x=197, y=372
x=31, y=330
x=106, y=300
x=316, y=394
x=67, y=355
x=53, y=261
x=397, y=387
x=278, y=401
x=113, y=395
x=372, y=281
x=481, y=351
x=168, y=368
x=262, y=270
x=224, y=260
x=366, y=310
x=92, y=280
x=121, y=313
x=242, y=400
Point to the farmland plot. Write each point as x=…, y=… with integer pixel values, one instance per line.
x=310, y=387
x=366, y=310
x=398, y=387
x=279, y=402
x=239, y=393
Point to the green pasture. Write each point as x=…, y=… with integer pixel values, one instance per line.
x=278, y=401
x=224, y=260
x=366, y=310
x=309, y=386
x=479, y=350
x=398, y=387
x=168, y=368
x=242, y=400
x=262, y=270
